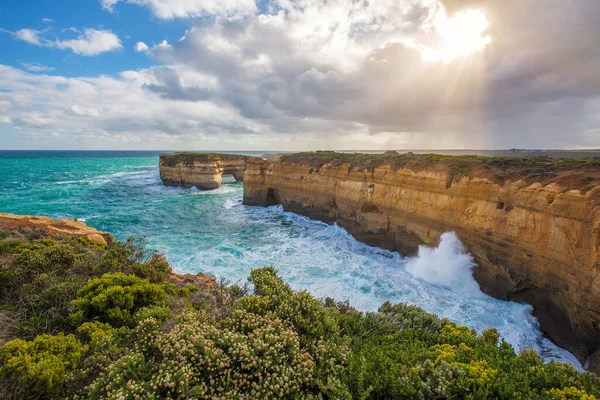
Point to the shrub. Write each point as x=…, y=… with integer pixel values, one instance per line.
x=45, y=303
x=43, y=367
x=116, y=298
x=245, y=356
x=315, y=324
x=133, y=257
x=59, y=259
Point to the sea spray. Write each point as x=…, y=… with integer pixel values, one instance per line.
x=448, y=265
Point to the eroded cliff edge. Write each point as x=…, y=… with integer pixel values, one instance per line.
x=532, y=225
x=202, y=170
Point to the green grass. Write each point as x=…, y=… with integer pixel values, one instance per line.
x=188, y=158
x=396, y=160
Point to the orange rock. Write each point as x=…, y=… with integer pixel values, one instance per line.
x=202, y=170
x=54, y=227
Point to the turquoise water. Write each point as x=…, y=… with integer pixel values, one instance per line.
x=120, y=192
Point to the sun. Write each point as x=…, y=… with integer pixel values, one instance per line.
x=461, y=35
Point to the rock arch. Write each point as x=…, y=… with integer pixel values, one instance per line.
x=201, y=170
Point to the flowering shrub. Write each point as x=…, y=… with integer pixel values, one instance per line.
x=315, y=324
x=245, y=356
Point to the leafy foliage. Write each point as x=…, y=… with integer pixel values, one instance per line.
x=42, y=367
x=116, y=298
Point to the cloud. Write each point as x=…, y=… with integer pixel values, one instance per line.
x=141, y=47
x=48, y=21
x=89, y=43
x=29, y=35
x=83, y=111
x=337, y=74
x=347, y=61
x=168, y=9
x=35, y=67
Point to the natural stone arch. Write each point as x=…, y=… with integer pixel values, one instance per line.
x=202, y=170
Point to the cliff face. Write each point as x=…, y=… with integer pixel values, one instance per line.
x=534, y=230
x=202, y=170
x=54, y=227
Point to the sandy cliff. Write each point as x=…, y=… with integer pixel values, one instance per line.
x=202, y=170
x=532, y=225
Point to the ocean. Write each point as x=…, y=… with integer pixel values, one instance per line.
x=212, y=232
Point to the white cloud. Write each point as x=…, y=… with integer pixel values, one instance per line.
x=141, y=47
x=29, y=35
x=35, y=67
x=167, y=9
x=91, y=43
x=48, y=21
x=83, y=111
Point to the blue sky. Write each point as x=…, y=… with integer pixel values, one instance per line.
x=299, y=74
x=129, y=22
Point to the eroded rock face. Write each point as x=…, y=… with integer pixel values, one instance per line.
x=535, y=240
x=54, y=227
x=202, y=170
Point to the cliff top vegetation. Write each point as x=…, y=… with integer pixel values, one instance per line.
x=497, y=168
x=188, y=158
x=85, y=321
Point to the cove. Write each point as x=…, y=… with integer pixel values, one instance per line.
x=212, y=232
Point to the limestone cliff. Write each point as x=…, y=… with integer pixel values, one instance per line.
x=202, y=170
x=532, y=224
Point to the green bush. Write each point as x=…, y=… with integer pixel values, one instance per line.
x=41, y=368
x=315, y=324
x=133, y=257
x=116, y=298
x=61, y=259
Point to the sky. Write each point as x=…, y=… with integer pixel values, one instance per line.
x=299, y=74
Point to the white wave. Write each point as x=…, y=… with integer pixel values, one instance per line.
x=223, y=189
x=448, y=265
x=229, y=203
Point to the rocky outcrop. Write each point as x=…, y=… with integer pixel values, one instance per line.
x=532, y=226
x=202, y=170
x=54, y=227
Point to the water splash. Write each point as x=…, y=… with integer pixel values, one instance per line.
x=448, y=265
